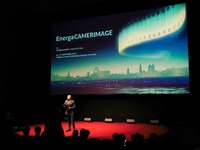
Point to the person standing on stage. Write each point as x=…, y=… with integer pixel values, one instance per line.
x=69, y=105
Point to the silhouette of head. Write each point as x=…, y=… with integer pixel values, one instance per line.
x=75, y=133
x=84, y=133
x=26, y=131
x=122, y=137
x=37, y=130
x=115, y=136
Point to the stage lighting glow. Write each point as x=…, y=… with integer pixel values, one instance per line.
x=152, y=26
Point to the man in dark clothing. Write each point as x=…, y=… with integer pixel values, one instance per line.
x=69, y=105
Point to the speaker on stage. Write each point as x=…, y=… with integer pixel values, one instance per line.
x=108, y=120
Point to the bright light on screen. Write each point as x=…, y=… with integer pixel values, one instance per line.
x=140, y=52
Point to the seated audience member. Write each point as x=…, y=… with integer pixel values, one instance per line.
x=37, y=130
x=153, y=142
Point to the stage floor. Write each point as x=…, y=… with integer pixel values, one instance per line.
x=103, y=130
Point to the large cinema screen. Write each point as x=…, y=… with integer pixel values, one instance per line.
x=138, y=52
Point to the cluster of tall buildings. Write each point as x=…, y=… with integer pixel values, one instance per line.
x=151, y=69
x=97, y=74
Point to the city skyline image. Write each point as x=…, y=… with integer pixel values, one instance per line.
x=107, y=74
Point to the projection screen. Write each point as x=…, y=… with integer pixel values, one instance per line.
x=138, y=52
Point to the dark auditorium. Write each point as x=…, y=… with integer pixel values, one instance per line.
x=88, y=74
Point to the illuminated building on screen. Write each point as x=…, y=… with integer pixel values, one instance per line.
x=151, y=68
x=127, y=71
x=68, y=75
x=88, y=74
x=151, y=71
x=100, y=74
x=140, y=69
